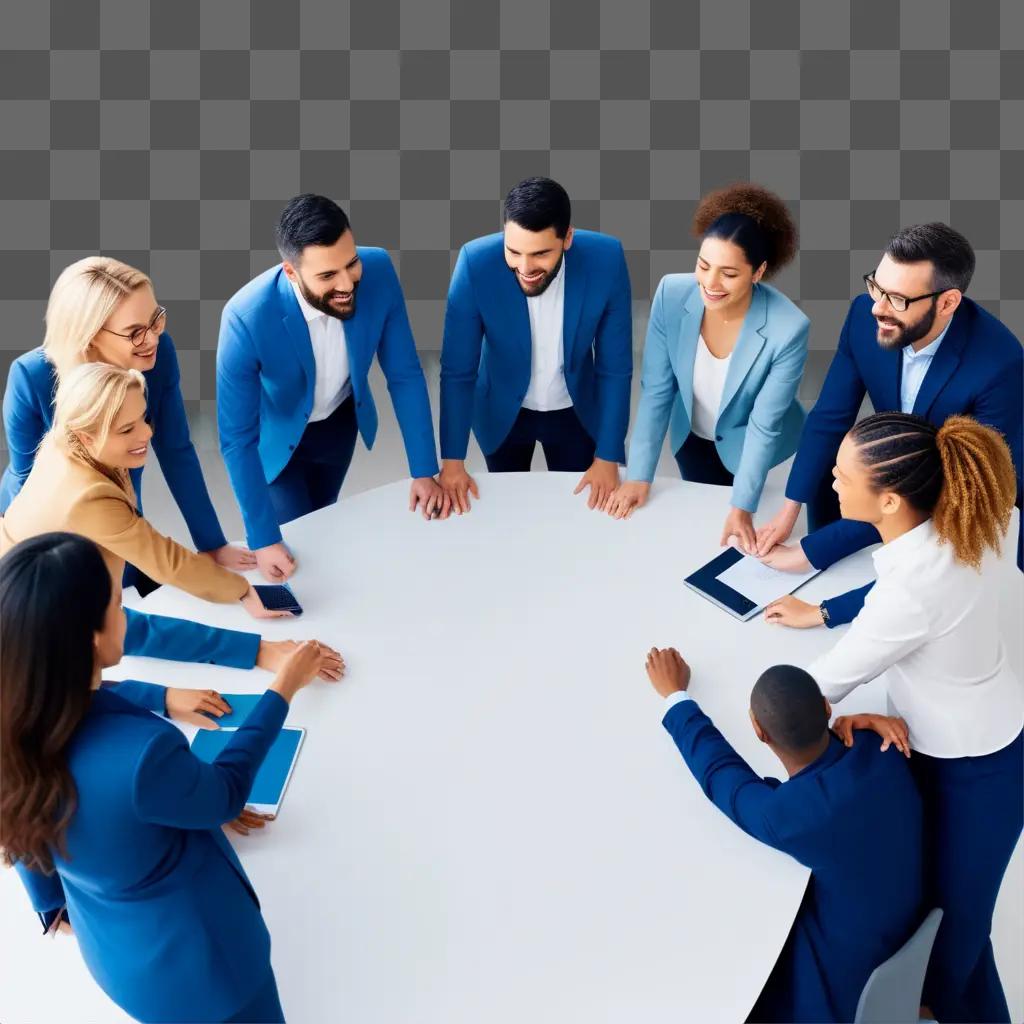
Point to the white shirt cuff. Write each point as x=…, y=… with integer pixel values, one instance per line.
x=672, y=700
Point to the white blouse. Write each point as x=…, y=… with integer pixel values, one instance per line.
x=931, y=626
x=709, y=373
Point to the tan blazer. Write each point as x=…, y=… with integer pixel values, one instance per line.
x=67, y=492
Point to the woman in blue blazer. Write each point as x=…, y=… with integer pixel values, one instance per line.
x=723, y=360
x=102, y=310
x=112, y=823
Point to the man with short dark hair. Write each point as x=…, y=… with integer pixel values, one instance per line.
x=852, y=814
x=916, y=344
x=538, y=347
x=295, y=348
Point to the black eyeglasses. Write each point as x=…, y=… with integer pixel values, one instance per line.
x=138, y=336
x=898, y=302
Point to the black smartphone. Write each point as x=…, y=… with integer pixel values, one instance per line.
x=278, y=598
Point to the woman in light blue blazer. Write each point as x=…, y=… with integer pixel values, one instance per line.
x=102, y=310
x=723, y=360
x=113, y=825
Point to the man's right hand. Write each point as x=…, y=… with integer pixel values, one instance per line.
x=275, y=562
x=628, y=496
x=457, y=484
x=777, y=530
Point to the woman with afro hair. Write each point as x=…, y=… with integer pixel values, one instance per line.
x=723, y=360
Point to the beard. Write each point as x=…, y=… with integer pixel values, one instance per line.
x=545, y=281
x=323, y=302
x=912, y=332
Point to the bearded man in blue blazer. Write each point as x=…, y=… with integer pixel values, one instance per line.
x=538, y=347
x=293, y=357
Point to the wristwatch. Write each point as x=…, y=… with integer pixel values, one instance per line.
x=824, y=613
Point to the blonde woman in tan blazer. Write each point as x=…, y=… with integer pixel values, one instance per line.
x=80, y=483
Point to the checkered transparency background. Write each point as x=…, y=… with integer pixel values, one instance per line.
x=170, y=133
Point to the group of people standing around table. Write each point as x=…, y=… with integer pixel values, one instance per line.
x=114, y=826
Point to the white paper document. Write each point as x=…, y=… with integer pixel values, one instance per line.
x=761, y=583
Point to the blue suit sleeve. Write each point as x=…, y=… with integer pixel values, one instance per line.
x=238, y=420
x=160, y=636
x=613, y=365
x=727, y=780
x=846, y=607
x=24, y=428
x=764, y=425
x=179, y=462
x=397, y=356
x=658, y=389
x=835, y=541
x=827, y=423
x=45, y=892
x=460, y=361
x=150, y=696
x=174, y=787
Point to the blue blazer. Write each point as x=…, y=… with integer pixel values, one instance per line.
x=483, y=385
x=160, y=636
x=165, y=917
x=853, y=817
x=28, y=415
x=759, y=420
x=978, y=371
x=266, y=375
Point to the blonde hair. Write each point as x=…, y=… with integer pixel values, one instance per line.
x=88, y=400
x=81, y=300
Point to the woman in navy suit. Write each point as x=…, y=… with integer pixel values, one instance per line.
x=112, y=823
x=102, y=310
x=723, y=360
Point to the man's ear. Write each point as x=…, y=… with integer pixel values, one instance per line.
x=758, y=729
x=567, y=241
x=828, y=709
x=948, y=301
x=289, y=271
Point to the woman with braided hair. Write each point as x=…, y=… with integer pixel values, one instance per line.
x=941, y=499
x=723, y=360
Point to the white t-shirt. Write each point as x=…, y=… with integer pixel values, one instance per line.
x=709, y=375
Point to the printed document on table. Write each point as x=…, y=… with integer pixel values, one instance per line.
x=761, y=583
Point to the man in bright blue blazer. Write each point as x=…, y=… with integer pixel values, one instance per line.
x=915, y=344
x=293, y=357
x=852, y=815
x=537, y=347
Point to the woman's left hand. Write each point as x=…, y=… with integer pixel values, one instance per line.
x=740, y=524
x=791, y=611
x=194, y=706
x=248, y=820
x=235, y=559
x=892, y=729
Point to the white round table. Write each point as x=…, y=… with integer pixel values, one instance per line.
x=487, y=821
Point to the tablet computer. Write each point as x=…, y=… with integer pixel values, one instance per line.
x=275, y=773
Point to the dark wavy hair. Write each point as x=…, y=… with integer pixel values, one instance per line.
x=54, y=593
x=961, y=474
x=753, y=218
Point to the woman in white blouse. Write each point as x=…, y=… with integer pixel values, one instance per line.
x=723, y=360
x=941, y=500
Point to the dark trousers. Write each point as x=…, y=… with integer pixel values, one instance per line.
x=699, y=462
x=823, y=508
x=568, y=448
x=315, y=472
x=265, y=1008
x=973, y=815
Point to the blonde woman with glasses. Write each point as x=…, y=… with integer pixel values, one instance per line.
x=81, y=483
x=103, y=311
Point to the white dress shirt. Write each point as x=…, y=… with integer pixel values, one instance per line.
x=327, y=336
x=915, y=366
x=931, y=626
x=709, y=374
x=547, y=391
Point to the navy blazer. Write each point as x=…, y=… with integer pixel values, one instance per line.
x=977, y=371
x=166, y=919
x=487, y=352
x=28, y=415
x=161, y=636
x=854, y=818
x=266, y=375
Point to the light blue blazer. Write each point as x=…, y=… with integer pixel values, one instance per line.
x=166, y=918
x=759, y=420
x=266, y=374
